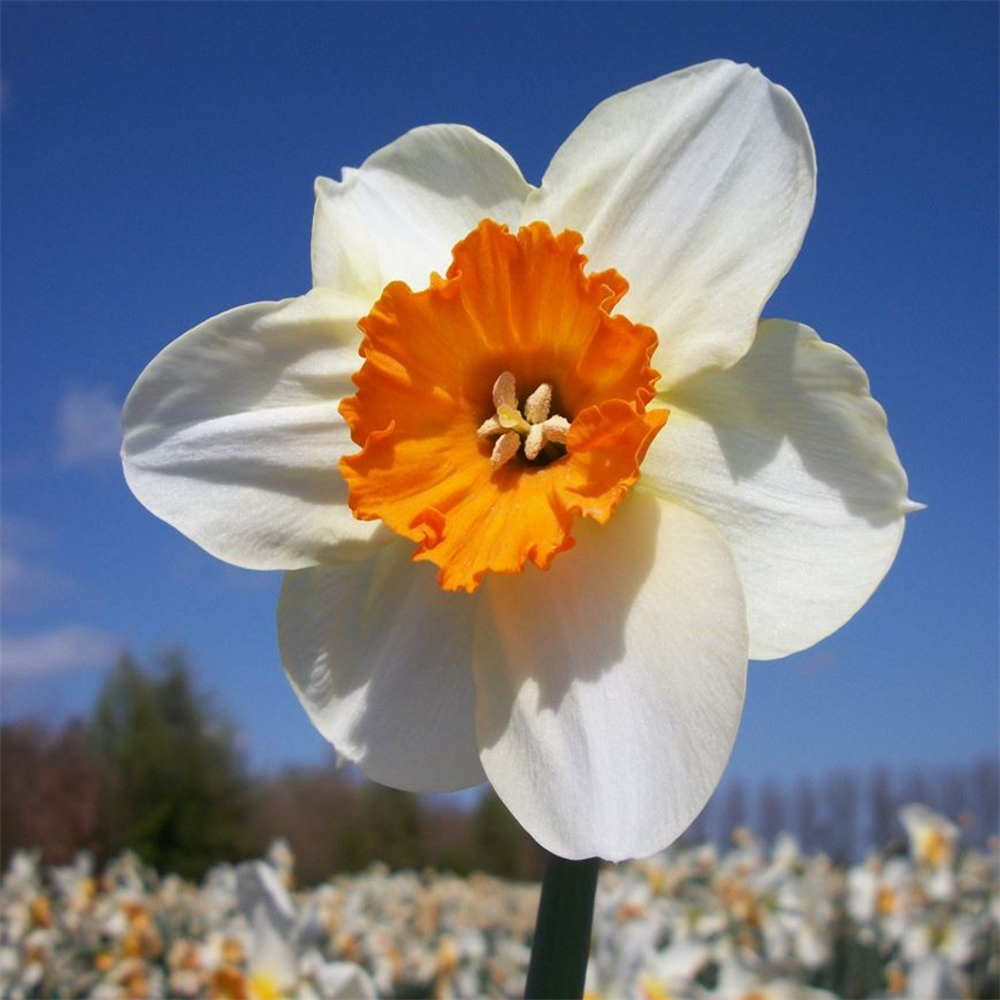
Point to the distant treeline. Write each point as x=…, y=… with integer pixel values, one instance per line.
x=156, y=768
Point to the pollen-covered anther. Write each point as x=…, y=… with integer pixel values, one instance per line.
x=535, y=424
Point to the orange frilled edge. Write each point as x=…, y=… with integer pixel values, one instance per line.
x=508, y=303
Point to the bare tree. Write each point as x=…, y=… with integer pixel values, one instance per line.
x=700, y=830
x=917, y=788
x=881, y=808
x=954, y=797
x=841, y=815
x=771, y=811
x=807, y=821
x=985, y=784
x=732, y=812
x=50, y=791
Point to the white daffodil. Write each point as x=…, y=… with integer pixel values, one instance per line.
x=281, y=962
x=589, y=389
x=933, y=840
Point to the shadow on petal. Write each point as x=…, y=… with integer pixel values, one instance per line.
x=570, y=619
x=379, y=657
x=794, y=390
x=606, y=717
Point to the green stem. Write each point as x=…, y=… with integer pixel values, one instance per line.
x=561, y=947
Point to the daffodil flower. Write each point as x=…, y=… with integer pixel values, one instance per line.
x=572, y=483
x=933, y=840
x=278, y=958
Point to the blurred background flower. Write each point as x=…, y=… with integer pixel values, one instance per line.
x=748, y=922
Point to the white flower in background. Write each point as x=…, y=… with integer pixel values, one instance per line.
x=75, y=890
x=738, y=982
x=881, y=897
x=932, y=841
x=625, y=933
x=934, y=978
x=800, y=912
x=439, y=935
x=672, y=972
x=22, y=889
x=281, y=962
x=951, y=936
x=588, y=389
x=280, y=857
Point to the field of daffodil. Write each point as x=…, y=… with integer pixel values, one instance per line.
x=918, y=920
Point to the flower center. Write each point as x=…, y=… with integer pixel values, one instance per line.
x=535, y=427
x=450, y=457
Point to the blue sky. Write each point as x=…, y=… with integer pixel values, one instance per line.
x=157, y=168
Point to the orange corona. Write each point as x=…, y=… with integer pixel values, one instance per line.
x=499, y=403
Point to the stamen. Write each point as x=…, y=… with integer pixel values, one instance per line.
x=504, y=391
x=536, y=406
x=505, y=449
x=534, y=442
x=489, y=427
x=555, y=430
x=535, y=425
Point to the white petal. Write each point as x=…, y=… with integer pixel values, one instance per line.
x=698, y=187
x=609, y=689
x=267, y=907
x=398, y=216
x=791, y=459
x=379, y=656
x=344, y=981
x=232, y=435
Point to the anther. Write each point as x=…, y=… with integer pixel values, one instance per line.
x=535, y=425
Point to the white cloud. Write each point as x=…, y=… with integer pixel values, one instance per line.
x=89, y=426
x=72, y=647
x=25, y=584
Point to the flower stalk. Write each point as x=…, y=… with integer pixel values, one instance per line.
x=561, y=946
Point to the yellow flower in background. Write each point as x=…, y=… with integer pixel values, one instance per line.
x=625, y=483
